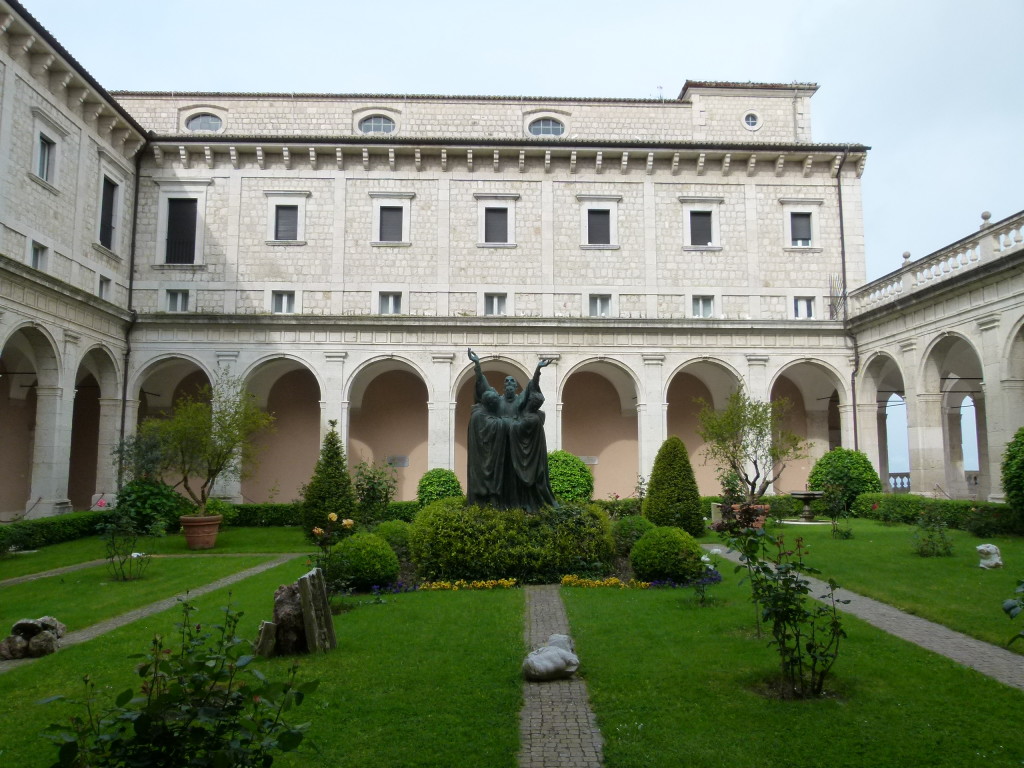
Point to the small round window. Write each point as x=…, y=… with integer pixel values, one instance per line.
x=752, y=121
x=204, y=122
x=547, y=126
x=377, y=124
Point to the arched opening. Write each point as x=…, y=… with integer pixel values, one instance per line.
x=897, y=449
x=388, y=422
x=85, y=433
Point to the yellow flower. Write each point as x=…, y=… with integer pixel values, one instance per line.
x=348, y=523
x=318, y=531
x=333, y=517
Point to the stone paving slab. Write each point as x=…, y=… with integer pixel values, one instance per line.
x=557, y=728
x=91, y=632
x=998, y=663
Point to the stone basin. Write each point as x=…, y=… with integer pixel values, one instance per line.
x=807, y=497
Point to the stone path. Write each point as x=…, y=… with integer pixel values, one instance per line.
x=108, y=625
x=998, y=663
x=557, y=728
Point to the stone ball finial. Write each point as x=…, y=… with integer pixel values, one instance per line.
x=985, y=216
x=906, y=256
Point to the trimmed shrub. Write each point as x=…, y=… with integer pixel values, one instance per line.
x=375, y=484
x=362, y=561
x=571, y=479
x=979, y=518
x=672, y=495
x=1012, y=472
x=847, y=470
x=667, y=553
x=452, y=541
x=619, y=508
x=437, y=484
x=330, y=488
x=33, y=534
x=396, y=534
x=403, y=510
x=267, y=515
x=153, y=507
x=626, y=530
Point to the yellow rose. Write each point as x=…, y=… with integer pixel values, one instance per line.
x=348, y=523
x=318, y=531
x=333, y=517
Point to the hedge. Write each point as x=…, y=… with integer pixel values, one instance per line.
x=266, y=515
x=979, y=518
x=32, y=534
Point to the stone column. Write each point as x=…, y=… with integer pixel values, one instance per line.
x=998, y=408
x=926, y=441
x=440, y=414
x=51, y=454
x=652, y=414
x=757, y=378
x=869, y=431
x=106, y=467
x=331, y=406
x=550, y=385
x=955, y=484
x=881, y=444
x=986, y=480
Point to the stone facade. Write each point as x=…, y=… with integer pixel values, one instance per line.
x=341, y=252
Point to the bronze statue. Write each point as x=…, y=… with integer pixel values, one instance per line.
x=508, y=455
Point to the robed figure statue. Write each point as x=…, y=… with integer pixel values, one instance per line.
x=508, y=455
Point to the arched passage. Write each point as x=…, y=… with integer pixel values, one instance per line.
x=94, y=425
x=883, y=386
x=711, y=383
x=286, y=455
x=388, y=421
x=599, y=424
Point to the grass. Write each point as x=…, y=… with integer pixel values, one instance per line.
x=879, y=562
x=674, y=684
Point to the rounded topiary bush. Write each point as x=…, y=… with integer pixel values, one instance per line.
x=627, y=530
x=396, y=534
x=571, y=479
x=672, y=496
x=667, y=553
x=1012, y=472
x=362, y=561
x=845, y=471
x=437, y=484
x=152, y=507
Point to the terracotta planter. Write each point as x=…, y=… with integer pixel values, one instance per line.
x=200, y=530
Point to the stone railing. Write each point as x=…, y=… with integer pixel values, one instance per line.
x=899, y=482
x=992, y=242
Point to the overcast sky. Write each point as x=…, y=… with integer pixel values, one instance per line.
x=933, y=86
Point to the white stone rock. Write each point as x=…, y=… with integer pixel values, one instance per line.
x=990, y=556
x=549, y=662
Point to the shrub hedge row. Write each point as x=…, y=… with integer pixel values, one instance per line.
x=979, y=518
x=32, y=534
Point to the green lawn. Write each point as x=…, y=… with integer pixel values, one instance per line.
x=879, y=562
x=673, y=684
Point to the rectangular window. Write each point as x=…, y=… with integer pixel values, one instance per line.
x=390, y=303
x=803, y=307
x=703, y=306
x=800, y=229
x=37, y=257
x=496, y=225
x=390, y=224
x=47, y=159
x=700, y=228
x=177, y=301
x=286, y=222
x=107, y=207
x=600, y=305
x=599, y=226
x=282, y=302
x=181, y=230
x=103, y=289
x=494, y=303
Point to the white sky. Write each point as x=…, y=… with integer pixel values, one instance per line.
x=933, y=86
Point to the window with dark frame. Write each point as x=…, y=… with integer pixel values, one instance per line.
x=47, y=155
x=107, y=203
x=177, y=301
x=800, y=229
x=600, y=304
x=38, y=256
x=494, y=303
x=286, y=222
x=390, y=303
x=181, y=230
x=282, y=302
x=599, y=226
x=390, y=224
x=496, y=225
x=700, y=228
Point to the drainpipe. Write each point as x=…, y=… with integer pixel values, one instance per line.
x=134, y=315
x=846, y=293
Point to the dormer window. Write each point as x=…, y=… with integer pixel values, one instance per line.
x=547, y=126
x=204, y=121
x=377, y=124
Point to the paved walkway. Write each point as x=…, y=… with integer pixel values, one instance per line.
x=557, y=729
x=998, y=663
x=88, y=633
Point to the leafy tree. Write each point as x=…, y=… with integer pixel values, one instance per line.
x=330, y=488
x=375, y=485
x=748, y=439
x=208, y=436
x=1013, y=472
x=571, y=479
x=850, y=472
x=672, y=496
x=437, y=483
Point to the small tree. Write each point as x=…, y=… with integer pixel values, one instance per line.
x=844, y=471
x=208, y=436
x=672, y=496
x=571, y=479
x=330, y=488
x=748, y=439
x=375, y=485
x=437, y=483
x=1013, y=472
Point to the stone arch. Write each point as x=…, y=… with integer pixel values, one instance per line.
x=160, y=381
x=388, y=419
x=708, y=379
x=815, y=391
x=94, y=429
x=598, y=415
x=29, y=360
x=882, y=385
x=290, y=390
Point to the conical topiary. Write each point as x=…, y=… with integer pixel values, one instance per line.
x=672, y=495
x=330, y=488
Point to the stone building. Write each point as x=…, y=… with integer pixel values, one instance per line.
x=341, y=252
